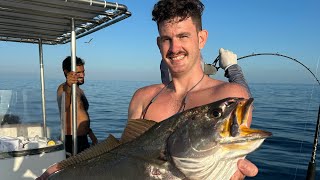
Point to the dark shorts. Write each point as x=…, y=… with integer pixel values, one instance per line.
x=83, y=143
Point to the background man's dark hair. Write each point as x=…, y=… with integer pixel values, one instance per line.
x=166, y=10
x=66, y=64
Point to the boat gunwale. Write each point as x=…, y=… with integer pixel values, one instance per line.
x=34, y=151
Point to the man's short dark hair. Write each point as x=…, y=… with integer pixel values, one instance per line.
x=66, y=64
x=167, y=10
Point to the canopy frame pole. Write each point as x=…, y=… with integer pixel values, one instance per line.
x=43, y=97
x=74, y=87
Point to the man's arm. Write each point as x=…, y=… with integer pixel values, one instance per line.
x=228, y=62
x=59, y=96
x=92, y=137
x=67, y=90
x=135, y=106
x=67, y=87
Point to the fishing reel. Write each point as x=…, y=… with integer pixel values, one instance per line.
x=211, y=69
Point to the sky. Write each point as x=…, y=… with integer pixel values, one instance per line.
x=127, y=50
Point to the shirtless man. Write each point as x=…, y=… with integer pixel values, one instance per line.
x=83, y=119
x=180, y=41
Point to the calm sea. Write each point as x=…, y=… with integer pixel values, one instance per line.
x=289, y=111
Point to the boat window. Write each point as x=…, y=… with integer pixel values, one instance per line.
x=25, y=107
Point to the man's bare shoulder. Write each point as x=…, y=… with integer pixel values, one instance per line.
x=224, y=84
x=141, y=98
x=220, y=89
x=60, y=88
x=148, y=90
x=231, y=90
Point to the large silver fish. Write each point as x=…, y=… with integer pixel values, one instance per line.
x=201, y=143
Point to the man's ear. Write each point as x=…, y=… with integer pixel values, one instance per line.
x=65, y=72
x=158, y=42
x=203, y=36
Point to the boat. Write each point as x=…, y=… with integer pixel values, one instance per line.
x=27, y=149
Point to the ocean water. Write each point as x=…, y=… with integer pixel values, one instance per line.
x=289, y=111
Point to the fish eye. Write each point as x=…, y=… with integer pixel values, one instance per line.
x=217, y=113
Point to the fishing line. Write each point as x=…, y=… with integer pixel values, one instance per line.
x=311, y=173
x=268, y=54
x=305, y=127
x=311, y=168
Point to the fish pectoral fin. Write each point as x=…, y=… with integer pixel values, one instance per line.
x=135, y=128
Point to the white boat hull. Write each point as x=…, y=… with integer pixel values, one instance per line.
x=29, y=166
x=24, y=153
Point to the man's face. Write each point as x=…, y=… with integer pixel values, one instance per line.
x=80, y=73
x=180, y=44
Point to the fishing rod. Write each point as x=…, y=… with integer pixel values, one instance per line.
x=311, y=173
x=268, y=54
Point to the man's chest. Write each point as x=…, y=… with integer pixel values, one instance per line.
x=166, y=106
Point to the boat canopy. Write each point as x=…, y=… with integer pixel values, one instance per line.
x=49, y=20
x=54, y=22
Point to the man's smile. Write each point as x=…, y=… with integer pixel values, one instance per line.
x=178, y=57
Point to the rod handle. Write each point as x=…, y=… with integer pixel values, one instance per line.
x=311, y=174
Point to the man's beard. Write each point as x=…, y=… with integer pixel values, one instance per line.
x=80, y=82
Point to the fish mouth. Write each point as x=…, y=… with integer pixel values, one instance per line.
x=235, y=127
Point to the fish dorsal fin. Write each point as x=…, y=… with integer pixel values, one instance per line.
x=94, y=151
x=135, y=128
